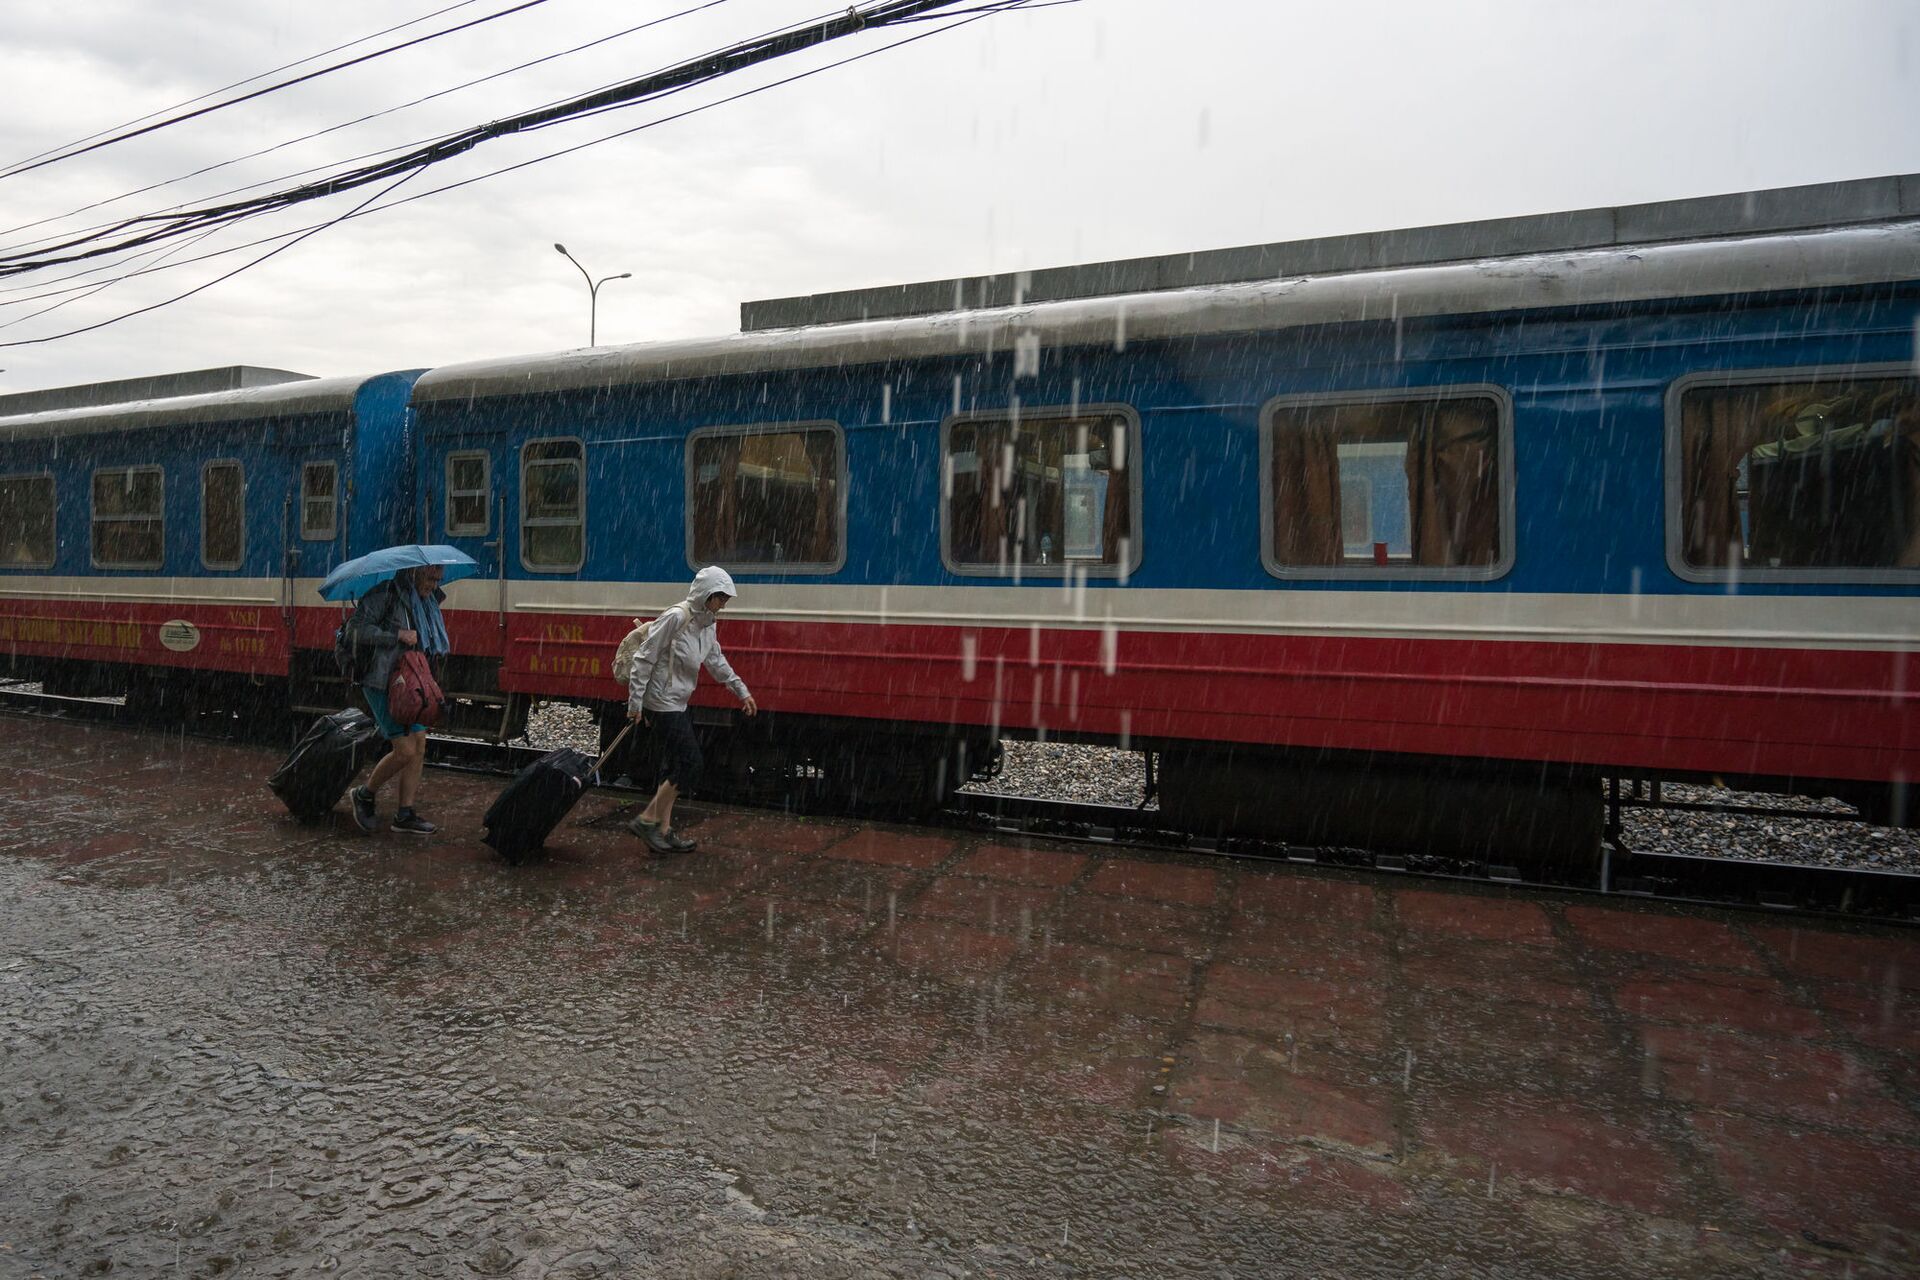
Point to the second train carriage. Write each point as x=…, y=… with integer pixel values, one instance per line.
x=1405, y=554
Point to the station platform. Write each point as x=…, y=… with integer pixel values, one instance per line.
x=240, y=1044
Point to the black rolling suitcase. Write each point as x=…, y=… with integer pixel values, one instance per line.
x=519, y=822
x=325, y=762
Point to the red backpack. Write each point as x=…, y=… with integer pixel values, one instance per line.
x=413, y=695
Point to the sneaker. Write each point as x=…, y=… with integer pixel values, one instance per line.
x=641, y=824
x=363, y=810
x=412, y=824
x=658, y=841
x=679, y=842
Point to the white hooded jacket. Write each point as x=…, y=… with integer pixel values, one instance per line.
x=684, y=638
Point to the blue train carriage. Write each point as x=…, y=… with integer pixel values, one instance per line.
x=169, y=550
x=1384, y=540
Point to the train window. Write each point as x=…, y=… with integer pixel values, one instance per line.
x=769, y=498
x=223, y=515
x=1798, y=474
x=1410, y=484
x=129, y=528
x=319, y=501
x=553, y=504
x=469, y=495
x=26, y=522
x=1044, y=492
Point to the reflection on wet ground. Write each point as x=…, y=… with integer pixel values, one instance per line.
x=235, y=1044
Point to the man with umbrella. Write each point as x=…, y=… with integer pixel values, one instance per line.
x=399, y=609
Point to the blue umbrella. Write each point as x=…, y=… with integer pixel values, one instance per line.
x=356, y=577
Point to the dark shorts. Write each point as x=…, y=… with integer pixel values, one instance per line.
x=679, y=750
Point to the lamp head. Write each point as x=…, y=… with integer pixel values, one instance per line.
x=559, y=248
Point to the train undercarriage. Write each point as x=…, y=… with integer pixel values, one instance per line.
x=1546, y=818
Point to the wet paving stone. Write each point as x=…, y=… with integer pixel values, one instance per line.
x=1877, y=962
x=1850, y=1195
x=1295, y=1007
x=986, y=904
x=1307, y=946
x=1543, y=1049
x=817, y=1048
x=1785, y=1079
x=1494, y=973
x=893, y=849
x=1464, y=916
x=1686, y=940
x=1156, y=882
x=1728, y=1001
x=1562, y=1146
x=1054, y=868
x=1146, y=925
x=1256, y=1085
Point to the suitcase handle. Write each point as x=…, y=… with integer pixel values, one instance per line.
x=613, y=747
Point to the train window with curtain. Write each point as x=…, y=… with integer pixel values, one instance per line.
x=1407, y=484
x=129, y=525
x=770, y=498
x=27, y=538
x=469, y=495
x=553, y=505
x=319, y=501
x=1798, y=474
x=223, y=515
x=1045, y=492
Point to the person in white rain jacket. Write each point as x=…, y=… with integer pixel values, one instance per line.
x=665, y=668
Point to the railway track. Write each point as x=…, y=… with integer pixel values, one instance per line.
x=1775, y=887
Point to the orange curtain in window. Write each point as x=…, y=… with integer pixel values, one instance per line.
x=1906, y=425
x=1306, y=489
x=997, y=491
x=1115, y=522
x=977, y=514
x=1718, y=428
x=1453, y=483
x=823, y=459
x=714, y=514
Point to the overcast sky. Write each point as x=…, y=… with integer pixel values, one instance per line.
x=1082, y=132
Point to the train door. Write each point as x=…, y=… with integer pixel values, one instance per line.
x=313, y=530
x=465, y=508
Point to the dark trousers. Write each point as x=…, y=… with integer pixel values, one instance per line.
x=679, y=750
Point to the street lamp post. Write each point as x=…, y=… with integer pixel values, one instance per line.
x=593, y=292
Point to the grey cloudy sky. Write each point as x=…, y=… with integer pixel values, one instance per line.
x=1095, y=130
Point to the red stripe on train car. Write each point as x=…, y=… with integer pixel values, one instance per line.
x=1714, y=709
x=249, y=639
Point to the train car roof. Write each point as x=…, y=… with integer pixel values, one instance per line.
x=279, y=400
x=1818, y=206
x=158, y=386
x=1867, y=253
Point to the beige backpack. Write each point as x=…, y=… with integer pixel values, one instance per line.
x=630, y=644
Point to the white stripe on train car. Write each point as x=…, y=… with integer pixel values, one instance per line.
x=142, y=590
x=1889, y=622
x=1797, y=621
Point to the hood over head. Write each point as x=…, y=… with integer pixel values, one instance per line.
x=705, y=583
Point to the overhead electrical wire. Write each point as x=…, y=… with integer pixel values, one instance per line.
x=123, y=136
x=345, y=124
x=273, y=71
x=149, y=229
x=673, y=79
x=394, y=149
